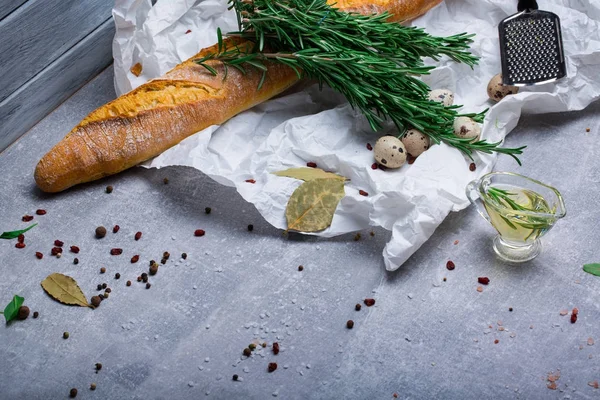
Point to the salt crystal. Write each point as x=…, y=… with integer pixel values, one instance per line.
x=246, y=369
x=262, y=316
x=590, y=342
x=410, y=295
x=307, y=366
x=285, y=366
x=275, y=393
x=219, y=378
x=207, y=359
x=293, y=301
x=191, y=384
x=200, y=367
x=173, y=238
x=195, y=287
x=318, y=247
x=302, y=308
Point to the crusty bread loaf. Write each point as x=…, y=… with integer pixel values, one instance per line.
x=159, y=114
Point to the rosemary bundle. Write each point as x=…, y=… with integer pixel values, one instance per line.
x=375, y=64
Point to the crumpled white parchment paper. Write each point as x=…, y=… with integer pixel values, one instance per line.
x=308, y=125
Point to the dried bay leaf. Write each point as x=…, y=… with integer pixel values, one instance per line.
x=308, y=174
x=312, y=205
x=64, y=289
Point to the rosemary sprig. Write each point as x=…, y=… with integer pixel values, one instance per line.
x=375, y=64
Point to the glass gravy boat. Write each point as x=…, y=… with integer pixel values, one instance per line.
x=521, y=209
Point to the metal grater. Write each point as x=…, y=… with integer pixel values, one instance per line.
x=531, y=47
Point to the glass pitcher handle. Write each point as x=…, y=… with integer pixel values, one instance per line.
x=473, y=196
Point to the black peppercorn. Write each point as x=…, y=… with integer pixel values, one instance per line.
x=117, y=275
x=93, y=386
x=184, y=256
x=99, y=286
x=98, y=366
x=247, y=352
x=109, y=189
x=166, y=181
x=272, y=367
x=153, y=269
x=350, y=324
x=102, y=270
x=148, y=285
x=96, y=300
x=128, y=283
x=207, y=210
x=76, y=261
x=252, y=346
x=36, y=314
x=108, y=290
x=357, y=307
x=235, y=377
x=104, y=285
x=100, y=232
x=23, y=313
x=250, y=228
x=300, y=268
x=65, y=335
x=73, y=392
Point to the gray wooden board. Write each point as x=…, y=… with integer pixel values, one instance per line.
x=39, y=32
x=8, y=6
x=34, y=100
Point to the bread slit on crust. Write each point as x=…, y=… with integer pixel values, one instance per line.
x=157, y=115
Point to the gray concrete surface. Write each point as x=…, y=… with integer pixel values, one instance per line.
x=184, y=337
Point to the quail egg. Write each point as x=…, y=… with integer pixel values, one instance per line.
x=466, y=128
x=497, y=91
x=415, y=142
x=443, y=96
x=390, y=152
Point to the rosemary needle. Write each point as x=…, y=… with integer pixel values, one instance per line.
x=375, y=64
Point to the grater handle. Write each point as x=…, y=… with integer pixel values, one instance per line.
x=527, y=5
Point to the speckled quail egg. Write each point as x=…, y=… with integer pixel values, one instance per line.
x=415, y=142
x=443, y=96
x=497, y=91
x=466, y=128
x=390, y=152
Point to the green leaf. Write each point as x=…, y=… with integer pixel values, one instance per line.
x=64, y=289
x=312, y=205
x=308, y=174
x=593, y=269
x=12, y=309
x=14, y=234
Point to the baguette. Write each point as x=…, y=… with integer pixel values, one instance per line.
x=159, y=114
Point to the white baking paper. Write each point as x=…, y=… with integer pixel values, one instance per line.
x=308, y=125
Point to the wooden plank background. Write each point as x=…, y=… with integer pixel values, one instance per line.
x=49, y=49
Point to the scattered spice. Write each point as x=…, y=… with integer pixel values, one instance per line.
x=573, y=318
x=117, y=276
x=184, y=256
x=102, y=270
x=109, y=189
x=590, y=341
x=252, y=346
x=74, y=249
x=472, y=167
x=104, y=285
x=594, y=384
x=235, y=377
x=40, y=212
x=101, y=296
x=56, y=251
x=587, y=130
x=39, y=255
x=250, y=181
x=264, y=344
x=139, y=278
x=58, y=243
x=357, y=307
x=98, y=366
x=93, y=386
x=496, y=341
x=20, y=245
x=374, y=165
x=300, y=268
x=163, y=261
x=450, y=265
x=116, y=252
x=73, y=393
x=36, y=314
x=153, y=269
x=148, y=285
x=116, y=228
x=357, y=237
x=350, y=324
x=563, y=312
x=272, y=367
x=275, y=348
x=23, y=313
x=479, y=289
x=483, y=280
x=99, y=287
x=363, y=193
x=411, y=160
x=250, y=228
x=65, y=335
x=96, y=300
x=369, y=147
x=444, y=279
x=166, y=181
x=76, y=261
x=369, y=302
x=510, y=309
x=456, y=242
x=128, y=283
x=199, y=232
x=372, y=233
x=106, y=295
x=135, y=258
x=136, y=69
x=138, y=235
x=247, y=352
x=21, y=238
x=395, y=395
x=188, y=31
x=27, y=218
x=166, y=255
x=311, y=164
x=207, y=210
